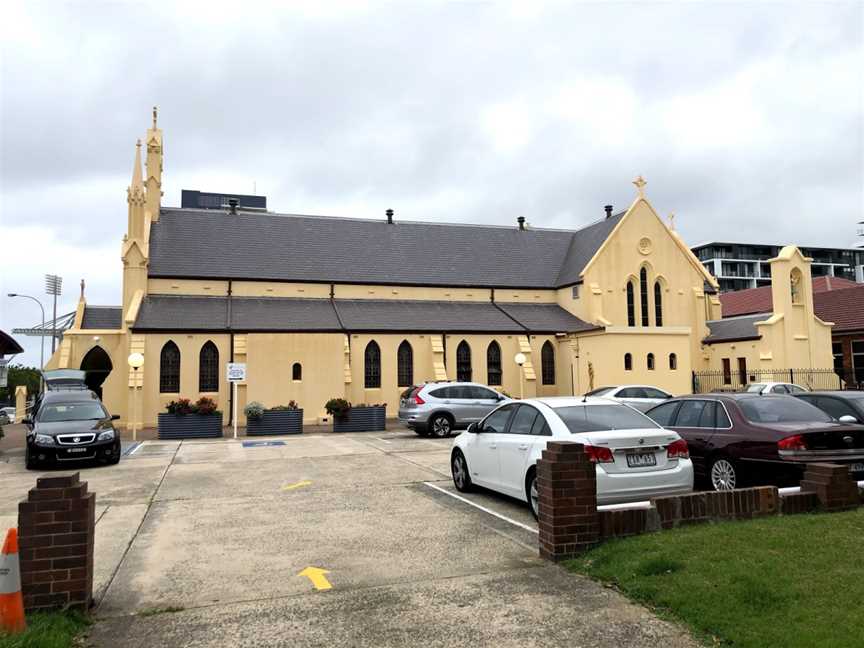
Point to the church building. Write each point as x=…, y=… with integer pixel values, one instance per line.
x=322, y=307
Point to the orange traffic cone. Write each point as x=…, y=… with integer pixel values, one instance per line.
x=11, y=601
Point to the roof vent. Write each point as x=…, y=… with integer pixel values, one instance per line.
x=232, y=205
x=389, y=213
x=608, y=209
x=521, y=221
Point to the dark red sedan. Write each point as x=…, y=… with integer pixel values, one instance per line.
x=738, y=440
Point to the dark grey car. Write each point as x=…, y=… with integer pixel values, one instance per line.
x=438, y=408
x=838, y=404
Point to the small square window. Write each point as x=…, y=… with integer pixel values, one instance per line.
x=575, y=292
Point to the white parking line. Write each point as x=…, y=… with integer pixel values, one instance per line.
x=482, y=508
x=382, y=440
x=136, y=448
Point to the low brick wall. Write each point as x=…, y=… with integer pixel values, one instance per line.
x=56, y=532
x=570, y=523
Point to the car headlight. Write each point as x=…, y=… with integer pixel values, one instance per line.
x=106, y=436
x=44, y=439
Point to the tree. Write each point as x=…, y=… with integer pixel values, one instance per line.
x=20, y=375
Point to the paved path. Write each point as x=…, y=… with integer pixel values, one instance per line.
x=199, y=544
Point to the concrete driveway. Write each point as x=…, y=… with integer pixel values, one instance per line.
x=223, y=543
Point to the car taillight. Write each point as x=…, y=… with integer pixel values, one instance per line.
x=678, y=450
x=418, y=401
x=598, y=454
x=794, y=442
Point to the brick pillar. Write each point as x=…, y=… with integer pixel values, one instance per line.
x=56, y=531
x=835, y=488
x=567, y=485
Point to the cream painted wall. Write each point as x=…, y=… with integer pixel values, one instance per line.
x=187, y=287
x=605, y=353
x=269, y=361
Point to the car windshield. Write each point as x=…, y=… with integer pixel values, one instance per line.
x=592, y=418
x=72, y=412
x=781, y=410
x=600, y=391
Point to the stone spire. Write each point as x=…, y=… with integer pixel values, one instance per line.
x=136, y=198
x=154, y=169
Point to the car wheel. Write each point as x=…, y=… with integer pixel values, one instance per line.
x=459, y=469
x=723, y=474
x=441, y=426
x=533, y=494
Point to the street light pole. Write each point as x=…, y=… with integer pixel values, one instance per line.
x=41, y=337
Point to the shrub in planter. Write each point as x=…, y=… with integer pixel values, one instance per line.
x=361, y=418
x=186, y=421
x=281, y=419
x=337, y=407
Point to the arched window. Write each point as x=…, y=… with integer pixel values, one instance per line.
x=97, y=365
x=405, y=364
x=658, y=304
x=643, y=294
x=650, y=362
x=169, y=369
x=297, y=371
x=372, y=366
x=208, y=368
x=547, y=363
x=463, y=362
x=493, y=363
x=628, y=362
x=673, y=361
x=631, y=305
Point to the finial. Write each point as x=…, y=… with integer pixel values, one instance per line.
x=82, y=289
x=640, y=185
x=672, y=221
x=154, y=117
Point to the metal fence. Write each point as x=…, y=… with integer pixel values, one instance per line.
x=735, y=380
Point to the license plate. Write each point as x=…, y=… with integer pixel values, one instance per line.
x=71, y=450
x=856, y=467
x=641, y=460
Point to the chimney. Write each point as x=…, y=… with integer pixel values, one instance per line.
x=608, y=209
x=232, y=205
x=521, y=221
x=389, y=213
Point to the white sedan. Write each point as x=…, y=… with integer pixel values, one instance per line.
x=774, y=388
x=642, y=397
x=636, y=458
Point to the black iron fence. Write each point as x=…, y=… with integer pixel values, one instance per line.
x=734, y=380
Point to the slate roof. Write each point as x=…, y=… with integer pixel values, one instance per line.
x=286, y=247
x=735, y=328
x=102, y=317
x=758, y=300
x=190, y=313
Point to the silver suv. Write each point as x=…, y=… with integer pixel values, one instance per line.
x=438, y=408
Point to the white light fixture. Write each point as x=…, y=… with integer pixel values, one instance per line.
x=520, y=359
x=136, y=360
x=96, y=338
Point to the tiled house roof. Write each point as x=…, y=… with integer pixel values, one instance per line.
x=843, y=307
x=102, y=317
x=758, y=300
x=734, y=329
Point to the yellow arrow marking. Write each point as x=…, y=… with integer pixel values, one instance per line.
x=316, y=575
x=299, y=484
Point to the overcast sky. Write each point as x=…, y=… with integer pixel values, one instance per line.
x=745, y=119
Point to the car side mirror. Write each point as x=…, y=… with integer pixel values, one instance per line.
x=668, y=396
x=27, y=421
x=501, y=397
x=846, y=418
x=115, y=417
x=473, y=428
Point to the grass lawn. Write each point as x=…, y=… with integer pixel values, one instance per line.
x=54, y=630
x=776, y=582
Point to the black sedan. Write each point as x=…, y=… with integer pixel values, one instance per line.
x=748, y=439
x=846, y=406
x=70, y=427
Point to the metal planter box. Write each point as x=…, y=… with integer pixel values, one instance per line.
x=190, y=426
x=362, y=419
x=275, y=422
